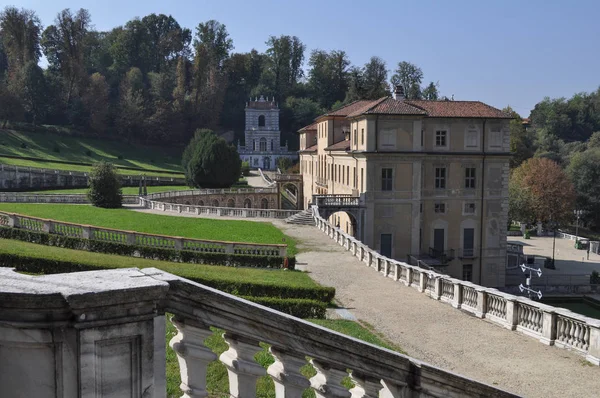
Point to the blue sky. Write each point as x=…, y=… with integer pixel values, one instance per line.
x=501, y=52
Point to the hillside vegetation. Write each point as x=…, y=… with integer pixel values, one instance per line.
x=69, y=152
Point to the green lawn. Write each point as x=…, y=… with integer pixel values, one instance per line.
x=75, y=167
x=68, y=148
x=250, y=275
x=125, y=219
x=126, y=190
x=217, y=381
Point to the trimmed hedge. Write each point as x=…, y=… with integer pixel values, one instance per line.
x=152, y=253
x=300, y=308
x=295, y=306
x=37, y=265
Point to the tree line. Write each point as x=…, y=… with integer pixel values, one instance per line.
x=556, y=159
x=153, y=80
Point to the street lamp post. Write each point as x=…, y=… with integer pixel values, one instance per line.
x=577, y=214
x=553, y=225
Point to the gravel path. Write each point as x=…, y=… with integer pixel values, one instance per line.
x=439, y=334
x=435, y=332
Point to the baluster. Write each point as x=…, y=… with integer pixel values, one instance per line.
x=365, y=386
x=285, y=372
x=327, y=381
x=242, y=369
x=585, y=338
x=568, y=327
x=193, y=357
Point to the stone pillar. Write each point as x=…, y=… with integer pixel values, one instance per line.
x=593, y=354
x=285, y=372
x=548, y=326
x=242, y=369
x=48, y=227
x=409, y=272
x=481, y=302
x=438, y=288
x=511, y=313
x=422, y=282
x=457, y=301
x=327, y=381
x=365, y=386
x=193, y=357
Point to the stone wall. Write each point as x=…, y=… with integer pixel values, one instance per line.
x=248, y=200
x=17, y=178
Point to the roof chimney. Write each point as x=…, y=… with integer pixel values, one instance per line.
x=399, y=92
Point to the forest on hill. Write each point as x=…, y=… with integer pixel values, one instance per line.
x=152, y=80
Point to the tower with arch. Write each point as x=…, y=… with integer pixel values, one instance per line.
x=263, y=146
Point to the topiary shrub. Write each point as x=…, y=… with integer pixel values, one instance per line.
x=245, y=169
x=210, y=162
x=105, y=187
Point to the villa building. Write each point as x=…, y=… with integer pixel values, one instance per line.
x=263, y=147
x=432, y=178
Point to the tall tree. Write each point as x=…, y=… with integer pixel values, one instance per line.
x=64, y=47
x=213, y=41
x=20, y=33
x=375, y=79
x=33, y=90
x=585, y=174
x=328, y=76
x=285, y=56
x=131, y=105
x=548, y=189
x=166, y=41
x=521, y=140
x=96, y=103
x=409, y=76
x=430, y=93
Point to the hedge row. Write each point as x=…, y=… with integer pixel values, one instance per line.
x=37, y=265
x=298, y=307
x=152, y=253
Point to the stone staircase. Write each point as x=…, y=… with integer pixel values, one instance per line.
x=305, y=217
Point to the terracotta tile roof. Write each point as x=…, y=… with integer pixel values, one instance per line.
x=339, y=146
x=310, y=127
x=310, y=149
x=388, y=106
x=467, y=109
x=348, y=109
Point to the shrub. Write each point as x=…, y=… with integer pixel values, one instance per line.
x=300, y=308
x=284, y=163
x=105, y=186
x=245, y=169
x=120, y=157
x=56, y=149
x=210, y=162
x=88, y=153
x=23, y=145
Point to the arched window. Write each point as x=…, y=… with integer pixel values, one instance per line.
x=215, y=203
x=200, y=203
x=247, y=203
x=264, y=203
x=231, y=203
x=263, y=144
x=261, y=121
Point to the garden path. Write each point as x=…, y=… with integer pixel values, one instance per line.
x=437, y=333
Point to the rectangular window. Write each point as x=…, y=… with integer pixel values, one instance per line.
x=440, y=178
x=386, y=180
x=441, y=137
x=439, y=208
x=385, y=244
x=469, y=208
x=471, y=138
x=468, y=272
x=362, y=179
x=495, y=139
x=362, y=136
x=348, y=175
x=470, y=177
x=468, y=242
x=355, y=137
x=388, y=139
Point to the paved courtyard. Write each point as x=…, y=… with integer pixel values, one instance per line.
x=437, y=333
x=567, y=259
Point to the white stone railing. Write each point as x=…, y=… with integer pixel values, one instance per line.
x=91, y=232
x=594, y=245
x=336, y=200
x=101, y=333
x=217, y=211
x=24, y=197
x=550, y=325
x=200, y=192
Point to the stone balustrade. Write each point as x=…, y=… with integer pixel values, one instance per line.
x=594, y=245
x=102, y=333
x=199, y=192
x=24, y=197
x=73, y=230
x=238, y=212
x=550, y=325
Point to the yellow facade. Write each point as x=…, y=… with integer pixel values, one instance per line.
x=425, y=183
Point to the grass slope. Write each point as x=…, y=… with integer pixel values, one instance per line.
x=50, y=147
x=217, y=381
x=250, y=275
x=199, y=228
x=126, y=190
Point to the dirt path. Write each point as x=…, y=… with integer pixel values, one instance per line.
x=437, y=333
